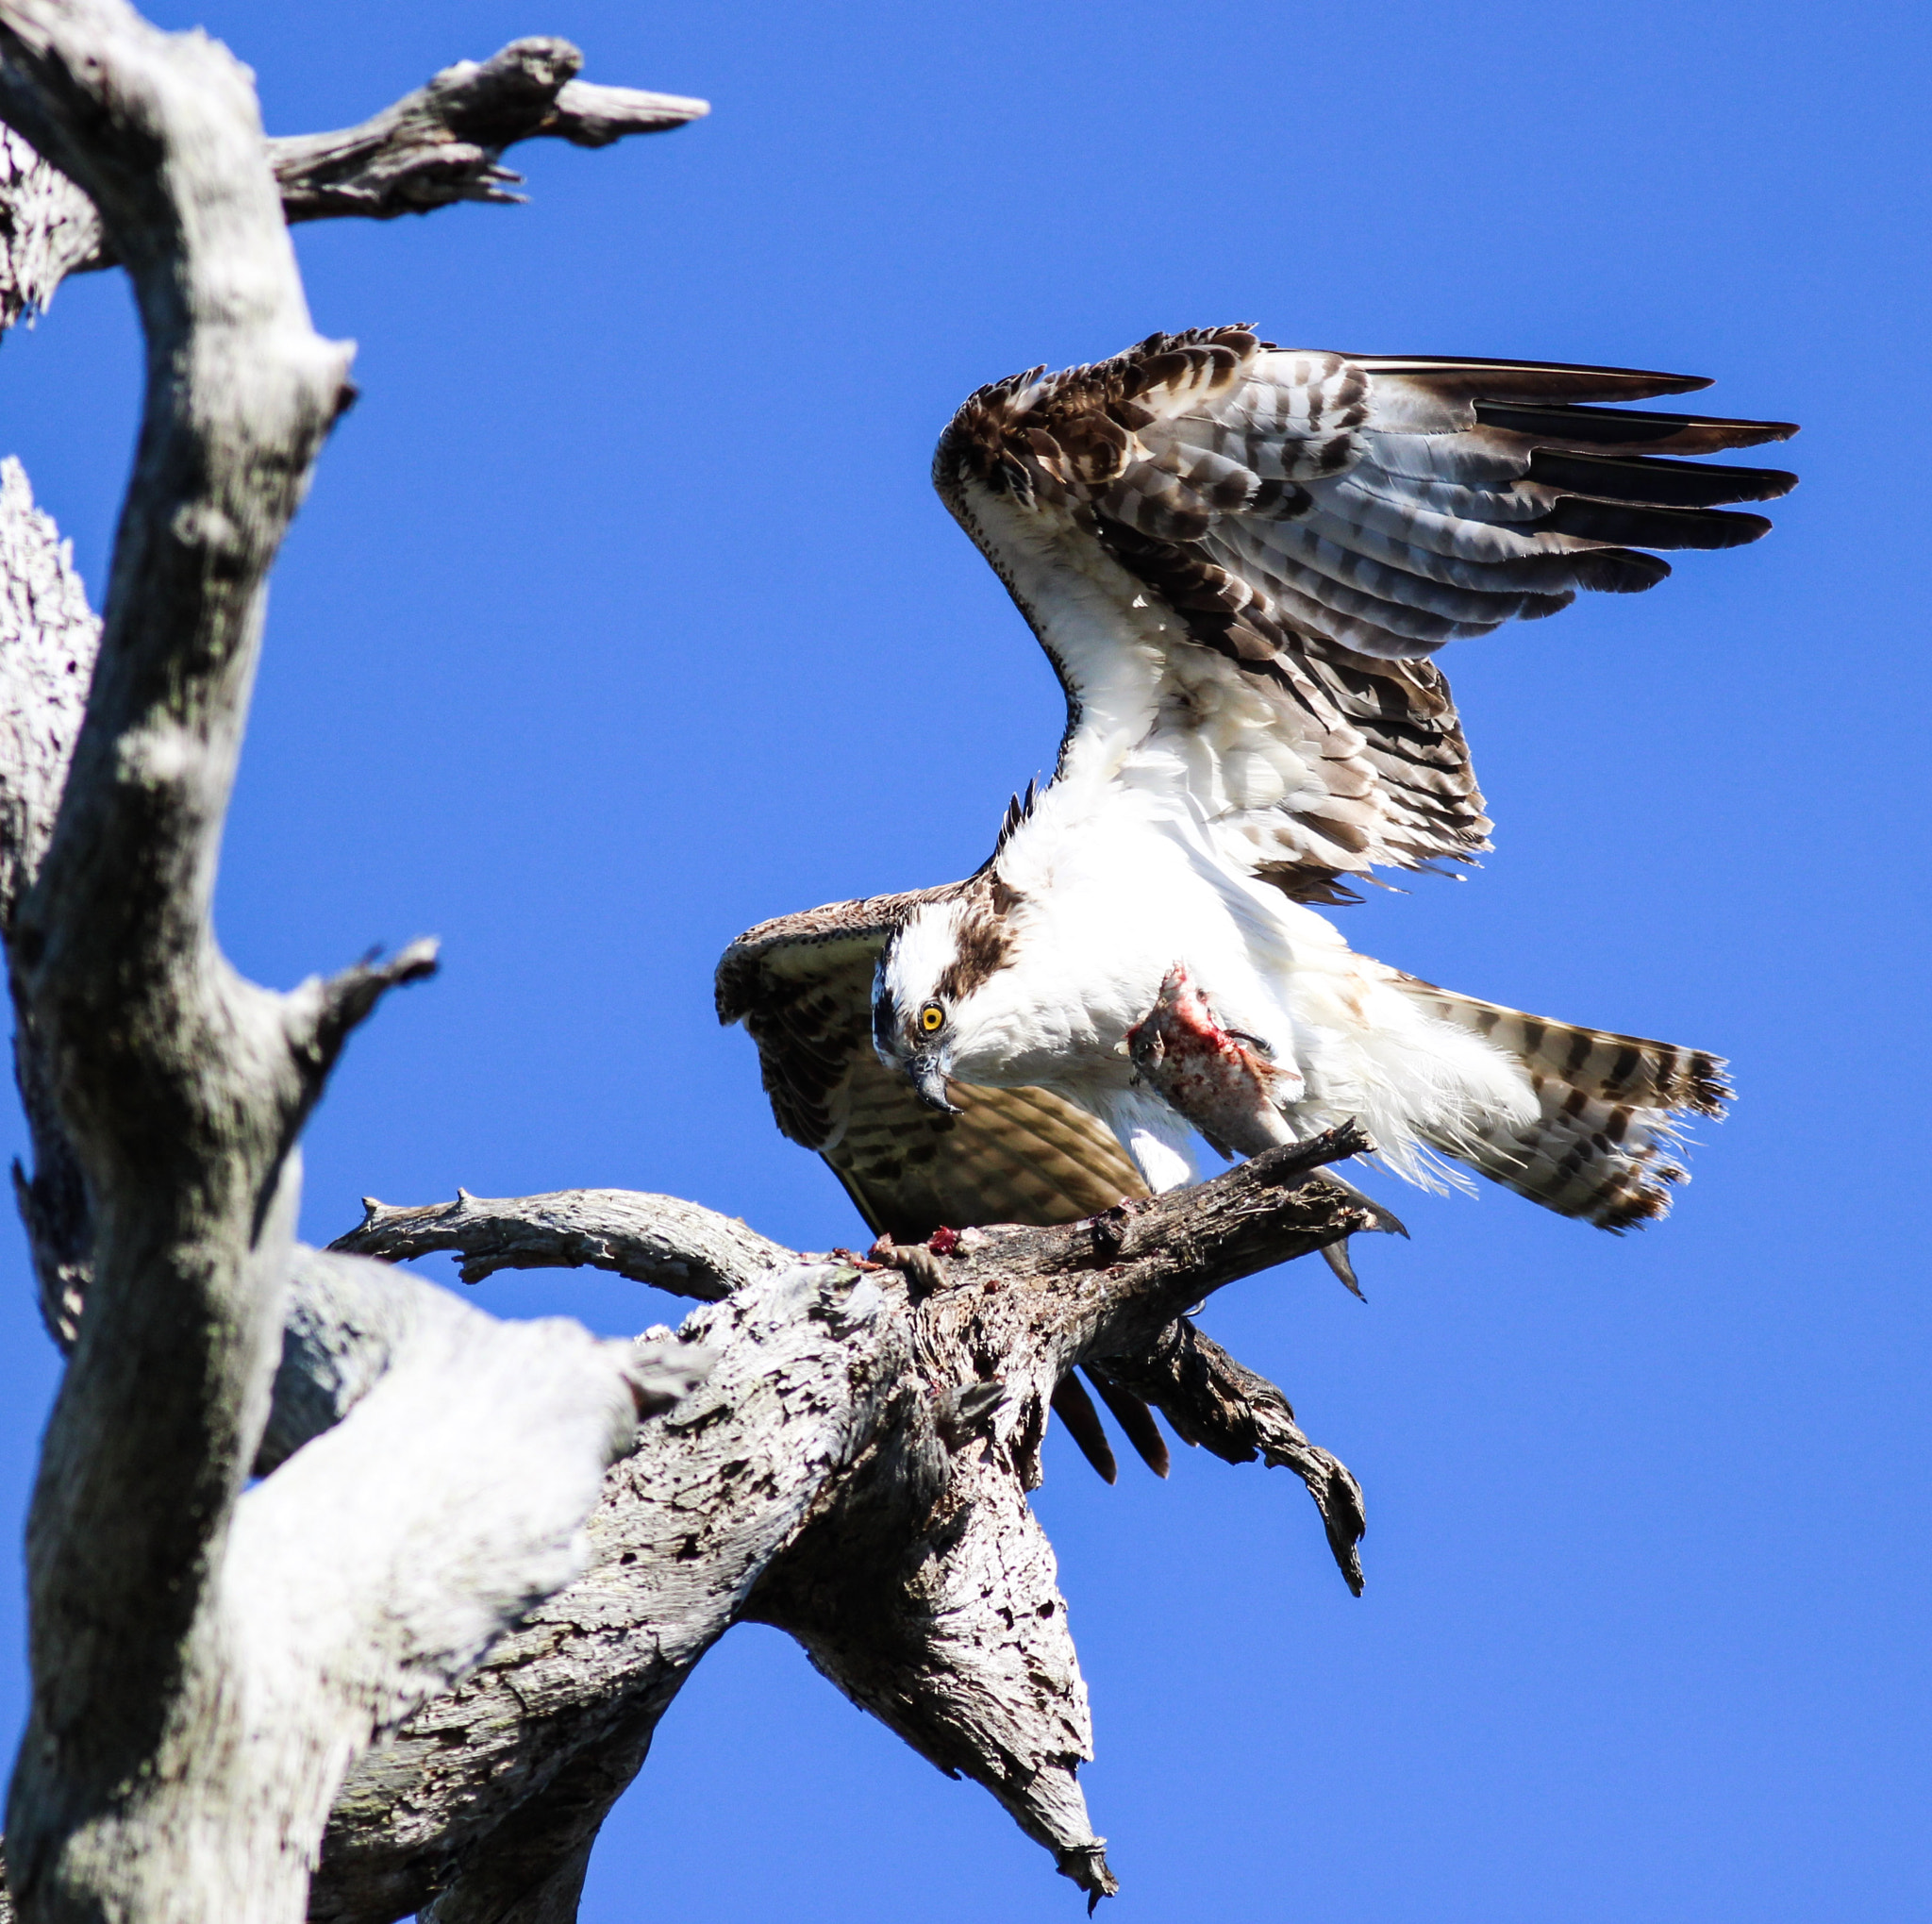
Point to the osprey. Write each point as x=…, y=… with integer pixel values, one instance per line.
x=1240, y=560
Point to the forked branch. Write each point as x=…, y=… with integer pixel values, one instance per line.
x=856, y=1473
x=437, y=148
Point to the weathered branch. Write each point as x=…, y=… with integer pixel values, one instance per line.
x=376, y=1565
x=440, y=145
x=502, y=1783
x=676, y=1246
x=437, y=148
x=854, y=1473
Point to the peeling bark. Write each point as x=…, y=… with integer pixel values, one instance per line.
x=48, y=640
x=48, y=229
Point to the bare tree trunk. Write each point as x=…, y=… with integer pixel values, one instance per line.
x=206, y=1668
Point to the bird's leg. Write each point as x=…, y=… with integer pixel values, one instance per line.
x=1227, y=1084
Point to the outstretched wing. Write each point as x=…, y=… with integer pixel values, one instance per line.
x=1239, y=560
x=801, y=985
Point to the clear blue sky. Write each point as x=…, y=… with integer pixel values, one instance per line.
x=621, y=616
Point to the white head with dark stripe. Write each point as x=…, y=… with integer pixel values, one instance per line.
x=935, y=1010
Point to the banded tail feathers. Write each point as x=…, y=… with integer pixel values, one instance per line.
x=1613, y=1112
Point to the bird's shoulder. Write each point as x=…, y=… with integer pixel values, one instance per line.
x=779, y=958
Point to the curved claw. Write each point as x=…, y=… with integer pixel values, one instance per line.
x=1134, y=1417
x=1336, y=1256
x=1074, y=1408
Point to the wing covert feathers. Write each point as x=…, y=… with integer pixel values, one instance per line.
x=801, y=985
x=1294, y=533
x=1015, y=1156
x=1603, y=1146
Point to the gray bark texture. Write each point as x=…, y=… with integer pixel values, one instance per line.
x=207, y=1662
x=855, y=1472
x=844, y=1444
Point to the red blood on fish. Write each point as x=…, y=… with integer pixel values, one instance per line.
x=1212, y=1075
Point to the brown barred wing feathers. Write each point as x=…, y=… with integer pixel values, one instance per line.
x=802, y=986
x=1289, y=535
x=1011, y=1156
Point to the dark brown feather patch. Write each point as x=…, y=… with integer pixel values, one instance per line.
x=1215, y=471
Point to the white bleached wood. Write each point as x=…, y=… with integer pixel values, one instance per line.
x=376, y=1565
x=663, y=1240
x=355, y=1326
x=371, y=1570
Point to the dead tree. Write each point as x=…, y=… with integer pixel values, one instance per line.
x=849, y=1441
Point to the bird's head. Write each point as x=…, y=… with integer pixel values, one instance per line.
x=931, y=1016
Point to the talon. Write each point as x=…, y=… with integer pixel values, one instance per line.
x=1336, y=1256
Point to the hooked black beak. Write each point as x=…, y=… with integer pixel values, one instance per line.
x=929, y=1080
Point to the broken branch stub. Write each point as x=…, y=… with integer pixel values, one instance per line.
x=440, y=145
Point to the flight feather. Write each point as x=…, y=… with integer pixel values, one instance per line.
x=1240, y=560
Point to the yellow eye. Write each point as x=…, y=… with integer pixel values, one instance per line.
x=932, y=1018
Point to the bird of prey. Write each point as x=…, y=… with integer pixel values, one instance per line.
x=1241, y=561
